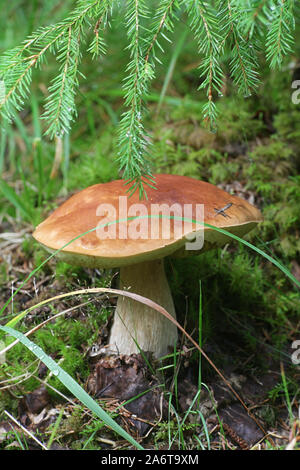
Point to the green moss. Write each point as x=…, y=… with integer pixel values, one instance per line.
x=270, y=164
x=64, y=271
x=238, y=120
x=220, y=172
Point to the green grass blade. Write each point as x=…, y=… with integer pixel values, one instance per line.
x=71, y=385
x=38, y=164
x=176, y=52
x=10, y=194
x=22, y=130
x=55, y=428
x=36, y=119
x=286, y=393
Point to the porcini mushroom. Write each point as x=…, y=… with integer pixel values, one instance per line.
x=164, y=225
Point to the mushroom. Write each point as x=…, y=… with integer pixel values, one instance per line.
x=135, y=236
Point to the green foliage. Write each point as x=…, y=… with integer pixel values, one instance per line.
x=279, y=40
x=279, y=390
x=230, y=37
x=62, y=40
x=71, y=384
x=62, y=340
x=243, y=62
x=31, y=193
x=132, y=139
x=205, y=25
x=237, y=122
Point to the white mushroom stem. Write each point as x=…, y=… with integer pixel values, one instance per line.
x=139, y=327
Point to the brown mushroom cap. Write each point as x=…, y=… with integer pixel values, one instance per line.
x=79, y=215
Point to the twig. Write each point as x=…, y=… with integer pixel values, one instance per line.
x=235, y=437
x=25, y=430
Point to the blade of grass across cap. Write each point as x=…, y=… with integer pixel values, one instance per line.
x=71, y=385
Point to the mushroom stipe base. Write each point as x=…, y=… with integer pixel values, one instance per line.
x=139, y=327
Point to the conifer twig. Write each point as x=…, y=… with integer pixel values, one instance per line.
x=230, y=35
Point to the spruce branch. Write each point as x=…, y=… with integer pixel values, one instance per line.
x=60, y=105
x=236, y=29
x=255, y=17
x=16, y=74
x=134, y=143
x=243, y=64
x=204, y=24
x=163, y=19
x=98, y=45
x=280, y=39
x=16, y=65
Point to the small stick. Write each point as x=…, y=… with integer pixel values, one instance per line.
x=25, y=430
x=222, y=211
